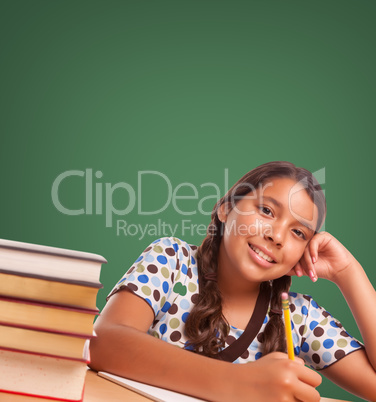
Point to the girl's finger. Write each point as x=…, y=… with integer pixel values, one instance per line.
x=310, y=269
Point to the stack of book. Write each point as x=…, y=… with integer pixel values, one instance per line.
x=47, y=310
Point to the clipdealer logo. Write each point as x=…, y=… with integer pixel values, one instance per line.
x=96, y=191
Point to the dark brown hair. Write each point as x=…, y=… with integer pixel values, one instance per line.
x=206, y=327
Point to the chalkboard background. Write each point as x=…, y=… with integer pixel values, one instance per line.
x=109, y=107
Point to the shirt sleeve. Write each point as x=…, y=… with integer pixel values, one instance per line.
x=319, y=339
x=151, y=277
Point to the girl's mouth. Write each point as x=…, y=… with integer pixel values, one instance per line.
x=260, y=254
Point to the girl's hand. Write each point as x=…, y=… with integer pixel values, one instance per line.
x=275, y=378
x=324, y=257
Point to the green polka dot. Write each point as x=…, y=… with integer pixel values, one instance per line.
x=304, y=330
x=180, y=289
x=174, y=323
x=192, y=287
x=146, y=290
x=178, y=276
x=163, y=301
x=324, y=322
x=316, y=345
x=165, y=272
x=341, y=343
x=155, y=334
x=158, y=249
x=140, y=268
x=297, y=318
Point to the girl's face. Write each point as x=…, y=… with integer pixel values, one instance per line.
x=266, y=232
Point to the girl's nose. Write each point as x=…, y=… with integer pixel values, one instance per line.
x=277, y=235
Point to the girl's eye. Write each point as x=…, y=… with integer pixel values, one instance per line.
x=299, y=233
x=266, y=211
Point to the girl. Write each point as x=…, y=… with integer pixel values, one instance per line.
x=221, y=302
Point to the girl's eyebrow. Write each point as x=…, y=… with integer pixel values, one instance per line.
x=273, y=201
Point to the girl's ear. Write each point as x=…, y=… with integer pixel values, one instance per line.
x=223, y=211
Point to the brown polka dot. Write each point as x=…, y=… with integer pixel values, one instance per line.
x=147, y=249
x=177, y=265
x=156, y=295
x=260, y=337
x=130, y=270
x=172, y=277
x=318, y=331
x=173, y=309
x=193, y=247
x=325, y=314
x=170, y=251
x=301, y=329
x=189, y=273
x=339, y=354
x=132, y=286
x=175, y=336
x=292, y=308
x=152, y=268
x=307, y=297
x=345, y=334
x=185, y=251
x=316, y=358
x=230, y=339
x=195, y=298
x=245, y=355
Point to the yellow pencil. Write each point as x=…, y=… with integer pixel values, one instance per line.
x=286, y=316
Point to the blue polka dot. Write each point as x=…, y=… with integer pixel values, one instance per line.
x=176, y=247
x=156, y=281
x=254, y=345
x=195, y=270
x=193, y=261
x=122, y=280
x=184, y=269
x=314, y=313
x=331, y=332
x=188, y=346
x=313, y=325
x=292, y=325
x=149, y=258
x=265, y=320
x=172, y=263
x=354, y=344
x=293, y=294
x=139, y=258
x=167, y=242
x=305, y=347
x=149, y=301
x=184, y=304
x=156, y=241
x=184, y=317
x=163, y=329
x=143, y=279
x=327, y=357
x=295, y=338
x=307, y=359
x=299, y=302
x=328, y=343
x=258, y=355
x=304, y=310
x=162, y=259
x=166, y=306
x=131, y=278
x=333, y=324
x=296, y=351
x=165, y=286
x=314, y=304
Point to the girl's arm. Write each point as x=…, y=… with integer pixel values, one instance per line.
x=123, y=347
x=327, y=258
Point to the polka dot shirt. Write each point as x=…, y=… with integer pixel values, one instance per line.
x=166, y=277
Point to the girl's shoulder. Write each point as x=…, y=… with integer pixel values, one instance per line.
x=172, y=246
